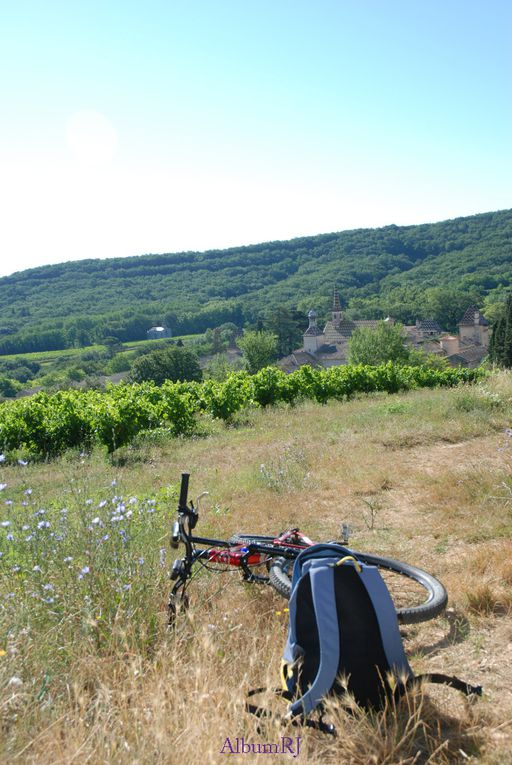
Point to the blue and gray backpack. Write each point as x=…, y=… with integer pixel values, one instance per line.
x=343, y=637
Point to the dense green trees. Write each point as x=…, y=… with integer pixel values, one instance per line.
x=259, y=349
x=376, y=346
x=407, y=272
x=171, y=363
x=500, y=346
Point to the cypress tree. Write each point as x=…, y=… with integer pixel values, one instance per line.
x=500, y=343
x=506, y=358
x=496, y=342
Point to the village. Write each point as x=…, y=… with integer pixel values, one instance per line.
x=328, y=347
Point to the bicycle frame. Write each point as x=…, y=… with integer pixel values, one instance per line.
x=247, y=551
x=219, y=550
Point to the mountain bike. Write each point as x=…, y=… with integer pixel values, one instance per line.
x=418, y=596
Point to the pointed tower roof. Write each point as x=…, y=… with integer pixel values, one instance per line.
x=313, y=329
x=336, y=305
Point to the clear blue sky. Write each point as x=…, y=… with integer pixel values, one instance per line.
x=158, y=126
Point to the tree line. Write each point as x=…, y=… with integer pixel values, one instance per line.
x=407, y=272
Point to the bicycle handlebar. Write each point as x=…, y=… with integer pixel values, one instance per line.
x=182, y=505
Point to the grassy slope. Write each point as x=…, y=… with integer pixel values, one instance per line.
x=103, y=682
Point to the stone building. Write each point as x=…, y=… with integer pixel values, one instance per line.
x=328, y=347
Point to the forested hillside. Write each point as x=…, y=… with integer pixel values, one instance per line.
x=431, y=270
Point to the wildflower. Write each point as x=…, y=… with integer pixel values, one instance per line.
x=28, y=492
x=114, y=482
x=49, y=600
x=5, y=524
x=2, y=486
x=104, y=538
x=41, y=511
x=48, y=587
x=8, y=502
x=132, y=500
x=16, y=569
x=37, y=568
x=24, y=463
x=64, y=511
x=140, y=561
x=86, y=570
x=15, y=681
x=25, y=527
x=2, y=457
x=68, y=559
x=127, y=586
x=508, y=431
x=102, y=503
x=96, y=521
x=24, y=503
x=10, y=537
x=88, y=501
x=29, y=538
x=43, y=524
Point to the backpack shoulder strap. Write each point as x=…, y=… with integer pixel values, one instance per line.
x=322, y=590
x=453, y=682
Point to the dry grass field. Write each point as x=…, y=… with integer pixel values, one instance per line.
x=90, y=674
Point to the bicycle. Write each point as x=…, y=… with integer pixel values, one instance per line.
x=418, y=596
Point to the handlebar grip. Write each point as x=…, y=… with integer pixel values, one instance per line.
x=183, y=491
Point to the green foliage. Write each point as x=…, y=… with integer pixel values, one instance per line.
x=418, y=358
x=259, y=349
x=45, y=425
x=288, y=325
x=376, y=346
x=500, y=346
x=171, y=363
x=407, y=272
x=8, y=387
x=221, y=366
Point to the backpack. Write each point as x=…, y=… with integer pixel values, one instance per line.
x=343, y=636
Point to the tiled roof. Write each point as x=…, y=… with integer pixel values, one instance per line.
x=469, y=317
x=428, y=325
x=471, y=354
x=368, y=323
x=298, y=359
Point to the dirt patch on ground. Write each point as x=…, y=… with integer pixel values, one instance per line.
x=475, y=646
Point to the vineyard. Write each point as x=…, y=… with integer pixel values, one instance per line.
x=46, y=425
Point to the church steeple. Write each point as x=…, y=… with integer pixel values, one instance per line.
x=313, y=334
x=337, y=313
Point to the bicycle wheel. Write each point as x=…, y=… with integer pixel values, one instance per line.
x=417, y=595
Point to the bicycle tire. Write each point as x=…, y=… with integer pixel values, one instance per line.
x=426, y=589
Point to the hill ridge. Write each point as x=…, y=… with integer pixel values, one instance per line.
x=381, y=271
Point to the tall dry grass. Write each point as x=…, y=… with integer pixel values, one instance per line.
x=89, y=671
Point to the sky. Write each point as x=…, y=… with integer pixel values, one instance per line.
x=161, y=126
